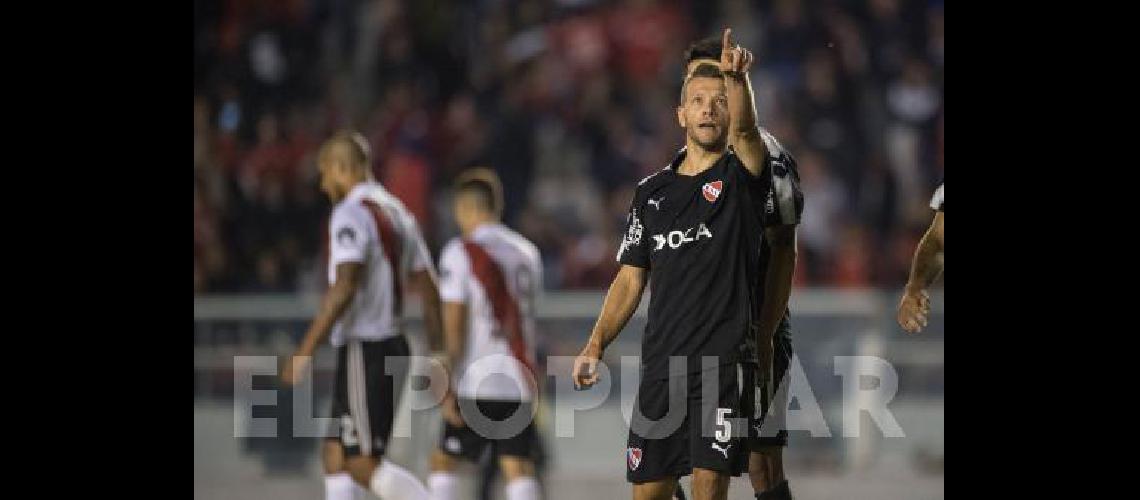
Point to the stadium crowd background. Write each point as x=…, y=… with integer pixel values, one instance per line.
x=572, y=102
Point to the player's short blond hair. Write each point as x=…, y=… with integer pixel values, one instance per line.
x=702, y=70
x=484, y=183
x=351, y=144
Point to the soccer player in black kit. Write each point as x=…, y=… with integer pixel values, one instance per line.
x=782, y=211
x=696, y=229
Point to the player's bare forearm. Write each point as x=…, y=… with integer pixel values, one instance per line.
x=335, y=302
x=744, y=130
x=741, y=108
x=778, y=279
x=428, y=290
x=621, y=301
x=454, y=328
x=928, y=257
x=745, y=133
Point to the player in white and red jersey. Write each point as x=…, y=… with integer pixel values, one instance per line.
x=489, y=277
x=376, y=253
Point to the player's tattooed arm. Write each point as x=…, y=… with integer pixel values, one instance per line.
x=620, y=303
x=336, y=301
x=744, y=131
x=777, y=289
x=425, y=284
x=924, y=271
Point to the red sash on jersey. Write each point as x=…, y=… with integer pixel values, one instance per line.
x=390, y=240
x=503, y=306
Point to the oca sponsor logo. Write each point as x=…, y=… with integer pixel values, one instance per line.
x=677, y=238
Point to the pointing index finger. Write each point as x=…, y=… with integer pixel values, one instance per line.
x=725, y=44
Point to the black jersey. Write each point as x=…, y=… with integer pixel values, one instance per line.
x=699, y=237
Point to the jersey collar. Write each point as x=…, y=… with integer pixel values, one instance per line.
x=680, y=157
x=358, y=191
x=677, y=159
x=484, y=228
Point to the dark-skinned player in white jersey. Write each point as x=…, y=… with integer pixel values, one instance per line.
x=694, y=235
x=375, y=252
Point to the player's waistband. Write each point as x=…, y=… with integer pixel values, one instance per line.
x=369, y=338
x=696, y=366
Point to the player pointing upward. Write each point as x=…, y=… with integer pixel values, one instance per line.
x=693, y=232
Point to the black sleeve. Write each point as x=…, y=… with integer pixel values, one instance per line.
x=634, y=250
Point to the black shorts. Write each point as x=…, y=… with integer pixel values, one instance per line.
x=771, y=430
x=696, y=436
x=364, y=397
x=472, y=440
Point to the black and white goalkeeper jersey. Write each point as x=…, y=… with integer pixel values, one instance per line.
x=783, y=206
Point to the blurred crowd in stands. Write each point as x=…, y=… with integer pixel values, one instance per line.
x=572, y=102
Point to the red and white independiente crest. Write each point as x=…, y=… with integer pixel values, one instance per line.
x=712, y=190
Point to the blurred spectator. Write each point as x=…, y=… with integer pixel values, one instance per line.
x=645, y=33
x=824, y=204
x=851, y=265
x=787, y=36
x=271, y=157
x=912, y=101
x=912, y=97
x=936, y=37
x=827, y=116
x=572, y=102
x=889, y=34
x=407, y=175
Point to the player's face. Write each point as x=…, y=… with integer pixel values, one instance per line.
x=704, y=112
x=459, y=205
x=331, y=173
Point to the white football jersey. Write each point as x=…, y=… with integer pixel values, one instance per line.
x=938, y=201
x=373, y=227
x=497, y=273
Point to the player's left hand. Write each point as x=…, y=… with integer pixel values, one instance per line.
x=913, y=308
x=734, y=59
x=585, y=370
x=293, y=368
